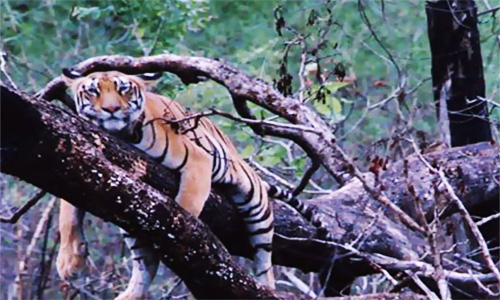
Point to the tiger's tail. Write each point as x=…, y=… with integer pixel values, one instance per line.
x=307, y=211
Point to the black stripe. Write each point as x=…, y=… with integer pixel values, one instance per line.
x=266, y=246
x=266, y=216
x=249, y=195
x=248, y=213
x=224, y=158
x=216, y=162
x=272, y=191
x=262, y=230
x=184, y=161
x=127, y=235
x=80, y=99
x=261, y=197
x=219, y=133
x=138, y=258
x=263, y=272
x=261, y=209
x=153, y=139
x=165, y=150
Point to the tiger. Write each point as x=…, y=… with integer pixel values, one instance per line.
x=122, y=105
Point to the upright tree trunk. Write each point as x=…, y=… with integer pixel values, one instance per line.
x=458, y=82
x=457, y=70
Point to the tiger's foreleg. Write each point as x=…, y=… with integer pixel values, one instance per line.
x=144, y=267
x=73, y=248
x=196, y=180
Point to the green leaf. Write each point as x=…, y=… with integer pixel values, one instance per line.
x=247, y=151
x=334, y=86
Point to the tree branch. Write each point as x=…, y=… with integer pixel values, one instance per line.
x=21, y=211
x=241, y=87
x=72, y=165
x=67, y=145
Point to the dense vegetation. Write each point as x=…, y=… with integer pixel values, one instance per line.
x=263, y=38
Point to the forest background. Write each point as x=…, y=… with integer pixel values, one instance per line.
x=39, y=38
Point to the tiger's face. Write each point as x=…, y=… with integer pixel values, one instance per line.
x=112, y=100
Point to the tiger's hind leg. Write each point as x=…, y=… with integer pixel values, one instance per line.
x=258, y=217
x=263, y=267
x=144, y=267
x=73, y=248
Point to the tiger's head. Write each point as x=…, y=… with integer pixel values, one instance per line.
x=112, y=100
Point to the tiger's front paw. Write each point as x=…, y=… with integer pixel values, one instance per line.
x=71, y=260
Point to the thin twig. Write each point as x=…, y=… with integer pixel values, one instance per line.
x=472, y=226
x=307, y=176
x=491, y=10
x=283, y=181
x=81, y=289
x=427, y=291
x=43, y=272
x=21, y=211
x=299, y=284
x=367, y=22
x=214, y=111
x=463, y=212
x=23, y=264
x=3, y=63
x=487, y=219
x=396, y=265
x=431, y=230
x=484, y=288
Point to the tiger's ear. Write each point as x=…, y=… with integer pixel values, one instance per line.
x=150, y=79
x=69, y=75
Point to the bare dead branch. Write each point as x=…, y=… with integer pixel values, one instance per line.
x=418, y=281
x=487, y=219
x=463, y=212
x=491, y=10
x=3, y=63
x=214, y=111
x=307, y=176
x=24, y=262
x=23, y=209
x=472, y=226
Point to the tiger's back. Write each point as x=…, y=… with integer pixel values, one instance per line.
x=245, y=187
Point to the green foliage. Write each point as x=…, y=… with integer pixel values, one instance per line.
x=42, y=37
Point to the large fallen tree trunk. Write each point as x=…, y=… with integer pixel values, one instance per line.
x=50, y=148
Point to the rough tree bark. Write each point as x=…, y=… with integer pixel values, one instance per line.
x=459, y=89
x=42, y=145
x=33, y=128
x=457, y=69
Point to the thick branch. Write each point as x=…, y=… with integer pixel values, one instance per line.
x=241, y=87
x=42, y=145
x=352, y=216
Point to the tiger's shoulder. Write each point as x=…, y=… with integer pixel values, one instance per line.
x=164, y=107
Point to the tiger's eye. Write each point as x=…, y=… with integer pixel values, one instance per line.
x=123, y=88
x=92, y=91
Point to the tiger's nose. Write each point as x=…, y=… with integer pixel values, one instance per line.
x=111, y=109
